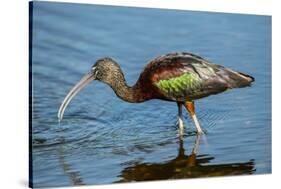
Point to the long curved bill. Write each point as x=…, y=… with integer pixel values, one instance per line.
x=86, y=79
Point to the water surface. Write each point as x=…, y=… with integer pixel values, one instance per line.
x=105, y=140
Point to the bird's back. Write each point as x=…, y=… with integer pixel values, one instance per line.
x=185, y=76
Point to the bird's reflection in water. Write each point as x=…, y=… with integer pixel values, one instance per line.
x=74, y=176
x=184, y=166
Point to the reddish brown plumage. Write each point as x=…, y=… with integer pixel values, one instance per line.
x=213, y=78
x=161, y=68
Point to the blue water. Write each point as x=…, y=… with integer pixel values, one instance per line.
x=105, y=140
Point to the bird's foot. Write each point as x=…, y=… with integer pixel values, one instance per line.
x=181, y=132
x=200, y=131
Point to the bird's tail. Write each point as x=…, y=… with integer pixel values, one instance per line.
x=237, y=79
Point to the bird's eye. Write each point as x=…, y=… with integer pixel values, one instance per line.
x=96, y=72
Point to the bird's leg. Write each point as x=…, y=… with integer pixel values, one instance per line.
x=190, y=107
x=192, y=156
x=181, y=128
x=196, y=145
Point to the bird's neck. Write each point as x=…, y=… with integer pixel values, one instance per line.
x=127, y=93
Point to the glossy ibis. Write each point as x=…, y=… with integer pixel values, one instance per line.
x=179, y=77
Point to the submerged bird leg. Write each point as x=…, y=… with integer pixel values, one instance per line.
x=181, y=128
x=190, y=107
x=192, y=156
x=196, y=144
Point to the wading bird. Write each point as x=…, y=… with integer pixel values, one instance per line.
x=178, y=77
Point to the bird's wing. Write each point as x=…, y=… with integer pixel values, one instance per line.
x=186, y=77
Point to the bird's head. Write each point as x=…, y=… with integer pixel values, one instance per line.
x=105, y=70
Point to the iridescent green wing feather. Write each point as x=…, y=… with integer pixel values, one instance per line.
x=180, y=86
x=183, y=76
x=186, y=81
